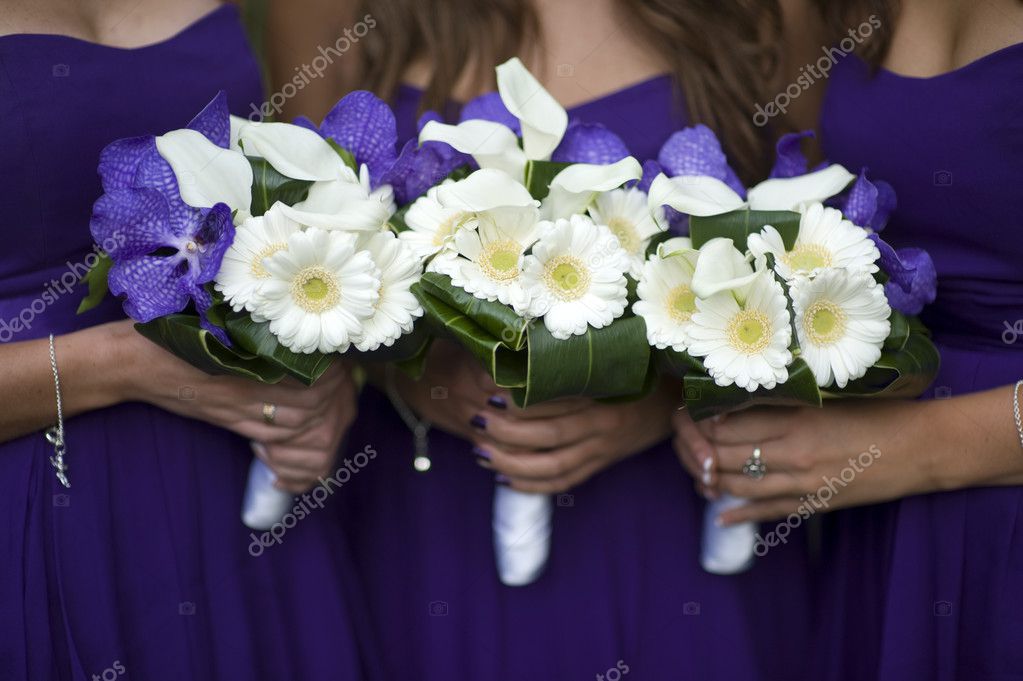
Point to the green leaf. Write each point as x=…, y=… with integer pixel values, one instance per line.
x=346, y=156
x=907, y=372
x=676, y=363
x=269, y=186
x=705, y=398
x=407, y=347
x=96, y=278
x=507, y=367
x=181, y=335
x=610, y=362
x=397, y=221
x=739, y=224
x=499, y=321
x=539, y=175
x=900, y=331
x=255, y=337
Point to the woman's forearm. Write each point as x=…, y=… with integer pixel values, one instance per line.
x=94, y=373
x=973, y=440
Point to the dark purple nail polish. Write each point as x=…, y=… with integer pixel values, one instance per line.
x=497, y=402
x=481, y=453
x=501, y=479
x=478, y=421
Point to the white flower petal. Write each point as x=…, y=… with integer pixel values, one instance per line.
x=694, y=195
x=791, y=193
x=206, y=174
x=484, y=189
x=492, y=145
x=542, y=119
x=292, y=150
x=574, y=188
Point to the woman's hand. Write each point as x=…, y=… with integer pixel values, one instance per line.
x=546, y=448
x=850, y=453
x=301, y=443
x=550, y=454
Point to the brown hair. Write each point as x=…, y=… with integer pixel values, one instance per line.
x=721, y=54
x=840, y=14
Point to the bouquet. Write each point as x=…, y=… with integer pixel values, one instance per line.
x=777, y=298
x=532, y=266
x=264, y=250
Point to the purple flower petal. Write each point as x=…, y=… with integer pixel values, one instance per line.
x=131, y=222
x=203, y=302
x=151, y=285
x=651, y=169
x=696, y=151
x=868, y=204
x=214, y=121
x=363, y=124
x=789, y=159
x=922, y=281
x=215, y=231
x=589, y=143
x=886, y=203
x=119, y=161
x=305, y=122
x=490, y=107
x=419, y=168
x=426, y=118
x=898, y=272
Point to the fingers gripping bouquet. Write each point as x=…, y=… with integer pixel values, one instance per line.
x=263, y=250
x=777, y=298
x=531, y=268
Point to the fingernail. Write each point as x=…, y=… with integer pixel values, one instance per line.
x=497, y=402
x=708, y=463
x=478, y=421
x=501, y=479
x=481, y=453
x=717, y=418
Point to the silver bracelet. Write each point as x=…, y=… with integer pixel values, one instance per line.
x=55, y=434
x=1015, y=410
x=420, y=428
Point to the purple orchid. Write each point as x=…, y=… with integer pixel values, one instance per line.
x=142, y=215
x=364, y=125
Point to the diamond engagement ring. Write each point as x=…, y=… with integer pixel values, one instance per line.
x=755, y=467
x=269, y=413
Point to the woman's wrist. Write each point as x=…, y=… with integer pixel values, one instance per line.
x=98, y=367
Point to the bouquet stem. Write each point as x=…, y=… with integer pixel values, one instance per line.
x=726, y=550
x=522, y=534
x=264, y=505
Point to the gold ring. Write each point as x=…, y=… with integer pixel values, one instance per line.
x=269, y=413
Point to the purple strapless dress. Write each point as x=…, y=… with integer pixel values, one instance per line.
x=142, y=569
x=623, y=589
x=934, y=583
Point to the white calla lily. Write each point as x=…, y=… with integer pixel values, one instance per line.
x=721, y=267
x=676, y=245
x=207, y=174
x=490, y=144
x=292, y=150
x=792, y=193
x=700, y=195
x=484, y=189
x=574, y=188
x=542, y=119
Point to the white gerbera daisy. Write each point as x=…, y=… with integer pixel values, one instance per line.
x=842, y=320
x=825, y=239
x=575, y=277
x=746, y=344
x=242, y=273
x=431, y=225
x=626, y=214
x=489, y=258
x=397, y=309
x=666, y=299
x=320, y=292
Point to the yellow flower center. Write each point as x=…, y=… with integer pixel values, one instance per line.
x=566, y=277
x=824, y=322
x=626, y=233
x=749, y=332
x=681, y=303
x=500, y=260
x=447, y=229
x=807, y=257
x=257, y=269
x=315, y=290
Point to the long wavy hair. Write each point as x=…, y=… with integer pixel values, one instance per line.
x=722, y=55
x=839, y=15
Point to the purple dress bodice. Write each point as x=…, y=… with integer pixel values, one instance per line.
x=929, y=588
x=61, y=101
